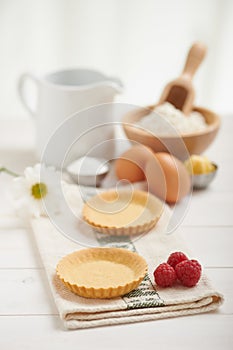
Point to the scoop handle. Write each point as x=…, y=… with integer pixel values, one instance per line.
x=195, y=56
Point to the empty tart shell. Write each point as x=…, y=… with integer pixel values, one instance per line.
x=102, y=272
x=123, y=212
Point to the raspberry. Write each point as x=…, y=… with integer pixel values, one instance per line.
x=188, y=272
x=164, y=275
x=176, y=258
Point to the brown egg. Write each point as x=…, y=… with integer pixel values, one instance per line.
x=130, y=165
x=167, y=177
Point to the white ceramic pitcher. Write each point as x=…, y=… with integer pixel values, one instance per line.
x=63, y=93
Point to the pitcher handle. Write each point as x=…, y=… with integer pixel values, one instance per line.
x=22, y=91
x=116, y=84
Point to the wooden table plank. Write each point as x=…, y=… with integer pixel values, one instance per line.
x=209, y=208
x=192, y=332
x=210, y=244
x=18, y=249
x=26, y=291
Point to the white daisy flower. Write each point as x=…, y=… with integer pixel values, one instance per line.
x=37, y=191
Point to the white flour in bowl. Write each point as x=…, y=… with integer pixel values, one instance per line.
x=173, y=118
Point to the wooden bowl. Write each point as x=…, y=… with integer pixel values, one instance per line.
x=180, y=146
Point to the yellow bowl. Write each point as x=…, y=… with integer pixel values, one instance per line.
x=195, y=143
x=102, y=272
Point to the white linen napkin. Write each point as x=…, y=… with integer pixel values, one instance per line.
x=147, y=302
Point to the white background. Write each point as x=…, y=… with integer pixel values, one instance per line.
x=143, y=42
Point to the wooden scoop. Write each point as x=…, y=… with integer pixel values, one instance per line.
x=180, y=92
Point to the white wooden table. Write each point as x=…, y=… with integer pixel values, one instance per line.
x=28, y=316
